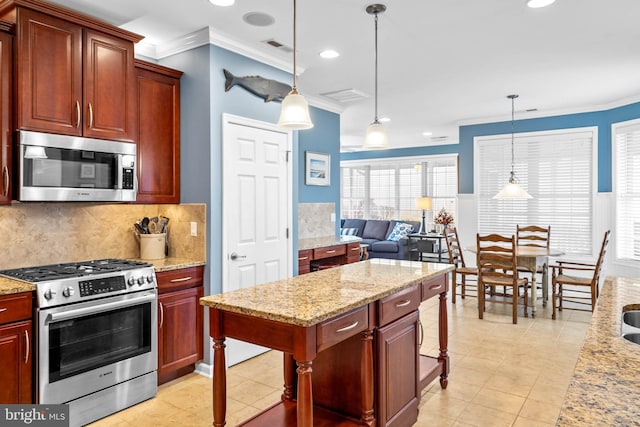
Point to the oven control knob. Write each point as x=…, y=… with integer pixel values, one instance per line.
x=150, y=278
x=49, y=294
x=68, y=292
x=131, y=281
x=141, y=280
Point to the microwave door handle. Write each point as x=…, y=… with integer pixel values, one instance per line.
x=100, y=308
x=119, y=172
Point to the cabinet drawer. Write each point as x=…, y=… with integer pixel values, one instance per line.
x=15, y=307
x=329, y=251
x=183, y=278
x=353, y=249
x=397, y=305
x=432, y=287
x=304, y=257
x=340, y=328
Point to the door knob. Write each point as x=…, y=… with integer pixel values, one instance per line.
x=234, y=256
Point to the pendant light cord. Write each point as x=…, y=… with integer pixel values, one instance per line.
x=513, y=97
x=375, y=118
x=294, y=88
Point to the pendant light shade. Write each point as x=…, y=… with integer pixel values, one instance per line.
x=512, y=190
x=376, y=136
x=294, y=114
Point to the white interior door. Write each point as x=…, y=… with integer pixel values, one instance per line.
x=256, y=211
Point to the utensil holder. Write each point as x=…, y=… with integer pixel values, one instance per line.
x=152, y=245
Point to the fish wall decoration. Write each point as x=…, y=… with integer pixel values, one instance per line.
x=269, y=90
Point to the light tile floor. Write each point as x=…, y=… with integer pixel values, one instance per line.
x=501, y=375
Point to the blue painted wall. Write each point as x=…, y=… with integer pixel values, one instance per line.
x=602, y=119
x=203, y=101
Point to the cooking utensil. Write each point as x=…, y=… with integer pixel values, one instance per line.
x=138, y=228
x=153, y=227
x=145, y=225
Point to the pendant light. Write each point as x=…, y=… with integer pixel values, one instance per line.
x=512, y=190
x=376, y=136
x=294, y=113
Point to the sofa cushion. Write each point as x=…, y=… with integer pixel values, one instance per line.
x=375, y=229
x=348, y=231
x=384, y=246
x=400, y=230
x=355, y=223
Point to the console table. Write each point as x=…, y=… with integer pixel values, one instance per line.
x=418, y=241
x=325, y=323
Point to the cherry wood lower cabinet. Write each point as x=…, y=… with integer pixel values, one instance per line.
x=16, y=348
x=180, y=322
x=332, y=255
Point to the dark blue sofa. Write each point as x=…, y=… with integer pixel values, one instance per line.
x=374, y=232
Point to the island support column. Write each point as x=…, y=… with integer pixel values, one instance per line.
x=443, y=333
x=219, y=371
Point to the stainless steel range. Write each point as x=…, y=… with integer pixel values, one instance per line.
x=96, y=323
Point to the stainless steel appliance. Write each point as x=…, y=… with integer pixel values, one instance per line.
x=69, y=168
x=96, y=324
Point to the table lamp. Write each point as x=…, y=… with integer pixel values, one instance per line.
x=425, y=204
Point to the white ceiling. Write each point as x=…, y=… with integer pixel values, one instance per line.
x=442, y=63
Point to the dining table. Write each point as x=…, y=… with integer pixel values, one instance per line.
x=529, y=258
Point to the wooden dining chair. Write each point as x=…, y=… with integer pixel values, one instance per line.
x=575, y=291
x=535, y=236
x=457, y=258
x=498, y=266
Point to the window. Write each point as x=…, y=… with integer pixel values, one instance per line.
x=557, y=169
x=626, y=189
x=388, y=188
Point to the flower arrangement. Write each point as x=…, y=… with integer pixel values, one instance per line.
x=443, y=217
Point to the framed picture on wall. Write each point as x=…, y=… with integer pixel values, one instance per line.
x=317, y=168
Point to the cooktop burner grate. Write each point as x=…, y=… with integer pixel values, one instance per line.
x=44, y=273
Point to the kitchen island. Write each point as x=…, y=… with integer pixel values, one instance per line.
x=356, y=327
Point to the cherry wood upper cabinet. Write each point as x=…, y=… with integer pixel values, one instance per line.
x=72, y=79
x=6, y=42
x=158, y=115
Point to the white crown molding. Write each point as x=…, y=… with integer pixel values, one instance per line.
x=206, y=36
x=522, y=115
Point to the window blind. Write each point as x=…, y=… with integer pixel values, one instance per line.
x=556, y=169
x=626, y=188
x=388, y=189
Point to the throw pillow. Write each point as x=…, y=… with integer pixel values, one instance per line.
x=348, y=231
x=400, y=230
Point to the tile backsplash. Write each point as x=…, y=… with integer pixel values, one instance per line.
x=45, y=233
x=314, y=220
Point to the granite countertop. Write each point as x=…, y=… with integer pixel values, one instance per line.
x=171, y=263
x=309, y=299
x=321, y=242
x=13, y=286
x=605, y=388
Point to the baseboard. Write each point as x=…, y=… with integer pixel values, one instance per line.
x=204, y=369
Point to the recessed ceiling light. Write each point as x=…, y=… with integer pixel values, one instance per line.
x=258, y=19
x=384, y=119
x=427, y=133
x=539, y=3
x=329, y=54
x=222, y=2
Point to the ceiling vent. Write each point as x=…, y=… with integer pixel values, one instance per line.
x=346, y=95
x=439, y=138
x=278, y=45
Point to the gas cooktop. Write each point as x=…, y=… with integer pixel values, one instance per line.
x=44, y=273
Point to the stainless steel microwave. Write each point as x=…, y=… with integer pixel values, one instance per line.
x=68, y=168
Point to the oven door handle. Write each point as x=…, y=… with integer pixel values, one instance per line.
x=100, y=308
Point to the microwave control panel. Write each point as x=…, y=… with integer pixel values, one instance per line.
x=127, y=179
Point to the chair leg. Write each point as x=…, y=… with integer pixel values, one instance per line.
x=526, y=301
x=480, y=301
x=464, y=283
x=515, y=306
x=553, y=298
x=455, y=285
x=594, y=295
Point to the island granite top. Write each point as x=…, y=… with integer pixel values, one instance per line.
x=309, y=299
x=605, y=388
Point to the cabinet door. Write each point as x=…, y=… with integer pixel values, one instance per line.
x=158, y=112
x=49, y=74
x=6, y=41
x=180, y=340
x=16, y=350
x=397, y=345
x=109, y=87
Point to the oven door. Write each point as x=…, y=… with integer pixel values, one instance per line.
x=86, y=347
